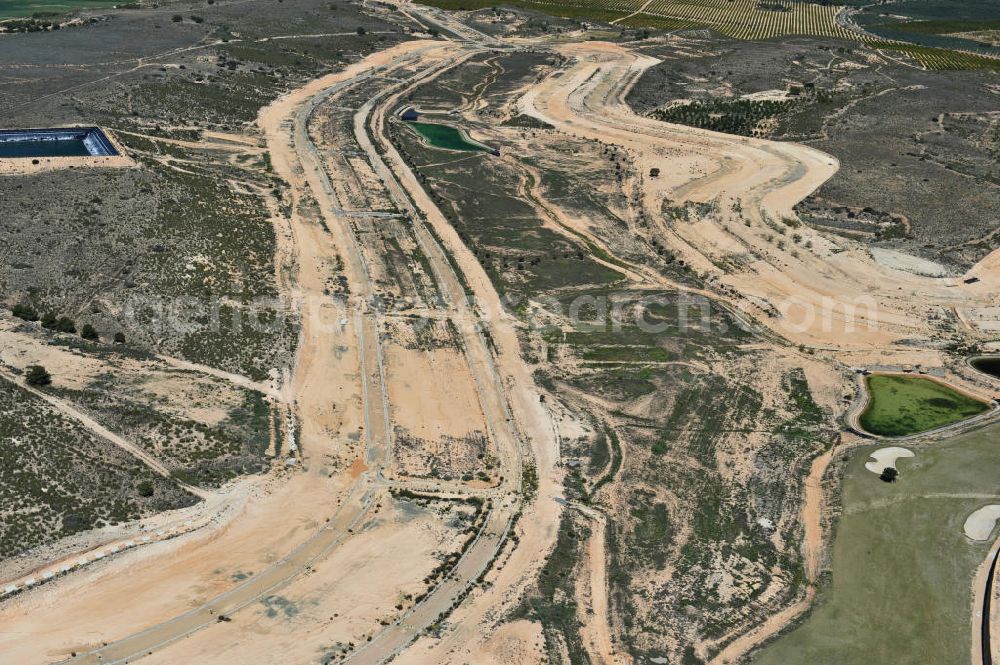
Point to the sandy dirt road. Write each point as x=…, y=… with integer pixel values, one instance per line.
x=356, y=326
x=180, y=587
x=491, y=378
x=815, y=291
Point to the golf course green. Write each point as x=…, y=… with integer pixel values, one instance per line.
x=901, y=588
x=445, y=136
x=902, y=405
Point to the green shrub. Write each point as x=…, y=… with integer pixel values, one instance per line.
x=26, y=312
x=37, y=376
x=65, y=324
x=89, y=332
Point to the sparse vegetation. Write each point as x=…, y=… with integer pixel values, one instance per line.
x=36, y=375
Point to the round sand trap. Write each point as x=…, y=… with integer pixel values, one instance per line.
x=979, y=525
x=886, y=457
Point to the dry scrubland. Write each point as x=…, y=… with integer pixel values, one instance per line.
x=60, y=479
x=690, y=454
x=179, y=255
x=190, y=233
x=922, y=179
x=679, y=516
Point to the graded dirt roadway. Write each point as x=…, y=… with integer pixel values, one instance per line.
x=336, y=394
x=149, y=593
x=814, y=290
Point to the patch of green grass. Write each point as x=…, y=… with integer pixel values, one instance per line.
x=902, y=566
x=902, y=405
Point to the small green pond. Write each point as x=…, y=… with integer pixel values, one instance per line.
x=902, y=405
x=445, y=136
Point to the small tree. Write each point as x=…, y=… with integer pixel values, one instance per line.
x=26, y=312
x=176, y=18
x=145, y=488
x=37, y=376
x=65, y=324
x=654, y=172
x=888, y=475
x=119, y=338
x=361, y=31
x=49, y=320
x=89, y=332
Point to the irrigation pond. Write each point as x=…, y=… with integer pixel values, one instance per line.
x=903, y=405
x=64, y=142
x=445, y=136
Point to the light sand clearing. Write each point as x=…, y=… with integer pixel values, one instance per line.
x=432, y=393
x=592, y=588
x=980, y=524
x=160, y=581
x=885, y=458
x=340, y=600
x=517, y=643
x=890, y=258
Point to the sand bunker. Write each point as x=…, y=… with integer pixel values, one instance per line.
x=885, y=458
x=979, y=525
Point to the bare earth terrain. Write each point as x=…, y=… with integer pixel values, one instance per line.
x=581, y=397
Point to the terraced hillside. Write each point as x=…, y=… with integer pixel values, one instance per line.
x=740, y=19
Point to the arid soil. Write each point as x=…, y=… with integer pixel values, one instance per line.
x=422, y=488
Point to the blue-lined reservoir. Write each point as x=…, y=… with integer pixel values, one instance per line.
x=62, y=142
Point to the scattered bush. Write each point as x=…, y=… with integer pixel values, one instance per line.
x=37, y=376
x=89, y=332
x=26, y=312
x=64, y=324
